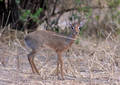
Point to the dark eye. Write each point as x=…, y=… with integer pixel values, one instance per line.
x=72, y=27
x=79, y=28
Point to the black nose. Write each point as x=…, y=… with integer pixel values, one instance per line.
x=75, y=33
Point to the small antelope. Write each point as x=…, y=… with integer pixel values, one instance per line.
x=57, y=42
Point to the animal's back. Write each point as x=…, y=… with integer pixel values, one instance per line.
x=42, y=38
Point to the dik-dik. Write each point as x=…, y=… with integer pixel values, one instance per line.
x=57, y=42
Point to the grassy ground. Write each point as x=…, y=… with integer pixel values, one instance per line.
x=91, y=62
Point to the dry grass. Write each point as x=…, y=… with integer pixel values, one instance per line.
x=91, y=62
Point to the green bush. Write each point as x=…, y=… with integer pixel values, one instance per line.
x=25, y=14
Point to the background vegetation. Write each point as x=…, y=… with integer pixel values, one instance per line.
x=94, y=59
x=103, y=16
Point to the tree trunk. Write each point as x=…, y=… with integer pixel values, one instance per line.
x=8, y=13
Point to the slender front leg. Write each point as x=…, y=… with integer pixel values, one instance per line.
x=58, y=67
x=61, y=65
x=31, y=61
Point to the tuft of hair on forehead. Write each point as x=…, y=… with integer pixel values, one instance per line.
x=78, y=23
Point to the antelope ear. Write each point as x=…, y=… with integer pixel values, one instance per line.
x=71, y=26
x=82, y=23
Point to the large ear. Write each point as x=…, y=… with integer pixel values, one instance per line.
x=82, y=23
x=71, y=25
